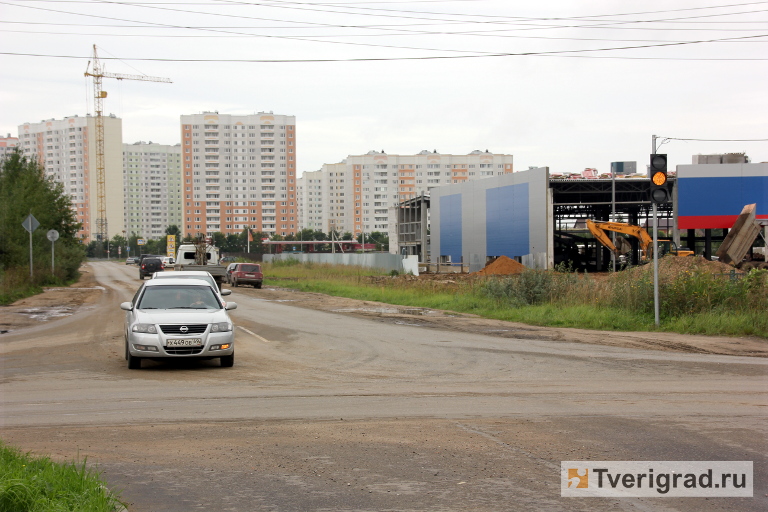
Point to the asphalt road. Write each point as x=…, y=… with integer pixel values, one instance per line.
x=326, y=411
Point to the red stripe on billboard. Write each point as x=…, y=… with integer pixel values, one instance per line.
x=709, y=221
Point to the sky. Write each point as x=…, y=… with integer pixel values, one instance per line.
x=563, y=84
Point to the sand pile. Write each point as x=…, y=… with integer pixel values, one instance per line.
x=502, y=266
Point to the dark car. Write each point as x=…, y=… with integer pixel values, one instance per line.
x=226, y=260
x=149, y=265
x=246, y=273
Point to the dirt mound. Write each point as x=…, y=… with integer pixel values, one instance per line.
x=671, y=267
x=502, y=266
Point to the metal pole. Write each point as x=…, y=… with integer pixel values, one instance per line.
x=30, y=253
x=655, y=267
x=52, y=269
x=613, y=215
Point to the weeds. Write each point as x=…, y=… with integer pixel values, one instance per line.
x=692, y=300
x=38, y=484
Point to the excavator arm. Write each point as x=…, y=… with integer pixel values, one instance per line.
x=598, y=229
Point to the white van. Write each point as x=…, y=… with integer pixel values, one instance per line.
x=186, y=255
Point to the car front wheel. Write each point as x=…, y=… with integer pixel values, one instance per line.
x=134, y=363
x=227, y=361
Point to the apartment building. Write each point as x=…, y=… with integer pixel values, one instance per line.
x=152, y=188
x=313, y=193
x=7, y=145
x=239, y=171
x=66, y=148
x=355, y=194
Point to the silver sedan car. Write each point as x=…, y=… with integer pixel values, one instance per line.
x=178, y=318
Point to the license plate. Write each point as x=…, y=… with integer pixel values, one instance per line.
x=249, y=275
x=186, y=342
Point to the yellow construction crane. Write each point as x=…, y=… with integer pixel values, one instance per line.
x=97, y=72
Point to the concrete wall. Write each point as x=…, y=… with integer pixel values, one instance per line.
x=506, y=215
x=384, y=261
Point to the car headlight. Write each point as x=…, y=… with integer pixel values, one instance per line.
x=150, y=328
x=221, y=327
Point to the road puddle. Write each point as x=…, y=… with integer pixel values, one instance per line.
x=46, y=313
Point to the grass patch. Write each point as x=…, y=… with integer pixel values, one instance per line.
x=16, y=284
x=693, y=299
x=33, y=484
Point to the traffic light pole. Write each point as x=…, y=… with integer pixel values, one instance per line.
x=655, y=265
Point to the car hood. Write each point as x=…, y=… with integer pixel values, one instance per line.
x=181, y=316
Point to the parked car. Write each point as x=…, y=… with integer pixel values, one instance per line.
x=246, y=273
x=227, y=259
x=178, y=318
x=131, y=260
x=228, y=273
x=149, y=265
x=193, y=274
x=168, y=261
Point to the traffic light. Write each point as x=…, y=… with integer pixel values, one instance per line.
x=658, y=174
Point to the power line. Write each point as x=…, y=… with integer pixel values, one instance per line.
x=563, y=53
x=716, y=140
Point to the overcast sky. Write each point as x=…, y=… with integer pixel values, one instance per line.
x=557, y=83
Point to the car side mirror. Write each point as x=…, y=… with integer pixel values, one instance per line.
x=126, y=306
x=231, y=305
x=226, y=292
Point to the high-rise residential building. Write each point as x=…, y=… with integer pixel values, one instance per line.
x=312, y=193
x=355, y=194
x=152, y=185
x=66, y=149
x=239, y=171
x=7, y=145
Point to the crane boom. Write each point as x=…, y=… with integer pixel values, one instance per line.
x=98, y=73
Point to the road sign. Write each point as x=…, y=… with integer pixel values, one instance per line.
x=52, y=235
x=30, y=223
x=141, y=241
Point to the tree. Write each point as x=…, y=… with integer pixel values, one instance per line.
x=24, y=189
x=376, y=237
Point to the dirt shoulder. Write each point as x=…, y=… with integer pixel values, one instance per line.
x=55, y=303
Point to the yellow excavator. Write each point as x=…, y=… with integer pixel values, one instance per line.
x=599, y=230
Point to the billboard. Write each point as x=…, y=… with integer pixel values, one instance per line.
x=711, y=196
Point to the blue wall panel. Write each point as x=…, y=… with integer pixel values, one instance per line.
x=450, y=227
x=507, y=221
x=715, y=202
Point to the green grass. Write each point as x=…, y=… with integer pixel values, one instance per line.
x=32, y=484
x=692, y=300
x=16, y=284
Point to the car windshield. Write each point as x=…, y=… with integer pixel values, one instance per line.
x=249, y=268
x=179, y=297
x=174, y=275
